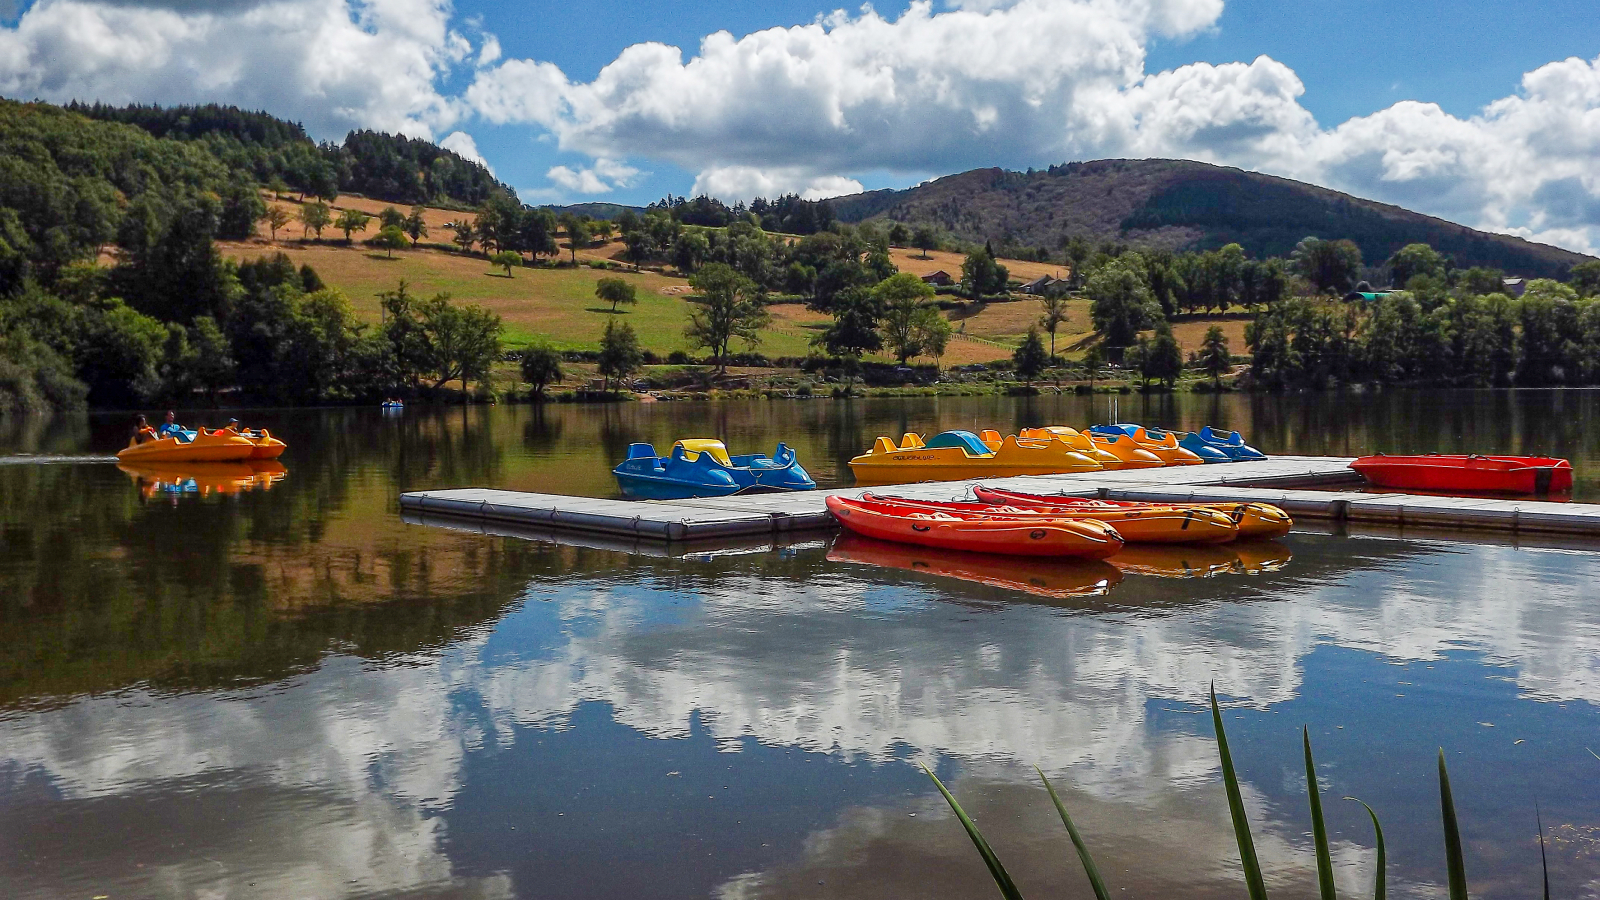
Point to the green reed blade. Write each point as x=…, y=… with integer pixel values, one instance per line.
x=1319, y=830
x=1381, y=883
x=1089, y=868
x=1544, y=864
x=1002, y=879
x=1455, y=867
x=1241, y=825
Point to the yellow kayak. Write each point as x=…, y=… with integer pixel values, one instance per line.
x=207, y=446
x=957, y=455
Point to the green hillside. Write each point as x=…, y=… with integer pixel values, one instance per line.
x=1181, y=205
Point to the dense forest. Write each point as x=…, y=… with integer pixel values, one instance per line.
x=113, y=292
x=389, y=167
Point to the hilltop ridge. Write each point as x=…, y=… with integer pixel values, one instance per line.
x=1184, y=205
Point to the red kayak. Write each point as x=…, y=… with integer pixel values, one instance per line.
x=952, y=530
x=1474, y=473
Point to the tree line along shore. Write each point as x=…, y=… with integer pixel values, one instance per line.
x=137, y=270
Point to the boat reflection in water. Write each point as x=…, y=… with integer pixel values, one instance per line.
x=1059, y=579
x=202, y=479
x=1202, y=560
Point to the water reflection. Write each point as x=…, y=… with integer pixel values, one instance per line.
x=294, y=693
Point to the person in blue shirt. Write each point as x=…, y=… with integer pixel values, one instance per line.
x=171, y=428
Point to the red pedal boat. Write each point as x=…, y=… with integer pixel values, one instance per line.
x=1474, y=473
x=954, y=530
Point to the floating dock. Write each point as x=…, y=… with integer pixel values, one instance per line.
x=1285, y=481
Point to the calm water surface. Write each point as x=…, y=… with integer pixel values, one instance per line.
x=289, y=692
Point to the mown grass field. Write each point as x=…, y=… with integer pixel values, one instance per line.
x=559, y=304
x=556, y=304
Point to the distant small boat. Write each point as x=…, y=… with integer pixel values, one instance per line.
x=393, y=404
x=1468, y=473
x=701, y=467
x=887, y=520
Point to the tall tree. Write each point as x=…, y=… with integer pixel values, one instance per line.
x=465, y=235
x=352, y=220
x=900, y=296
x=506, y=259
x=981, y=275
x=1055, y=312
x=1162, y=358
x=620, y=355
x=416, y=227
x=730, y=306
x=1415, y=259
x=1120, y=303
x=1215, y=360
x=389, y=217
x=315, y=217
x=925, y=239
x=616, y=290
x=276, y=217
x=391, y=239
x=899, y=234
x=1585, y=279
x=855, y=325
x=541, y=367
x=1030, y=358
x=577, y=236
x=1332, y=267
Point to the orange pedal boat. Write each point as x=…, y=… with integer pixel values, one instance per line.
x=889, y=520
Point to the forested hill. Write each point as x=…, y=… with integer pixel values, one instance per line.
x=1183, y=205
x=388, y=167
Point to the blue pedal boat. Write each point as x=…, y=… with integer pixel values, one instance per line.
x=1230, y=443
x=703, y=468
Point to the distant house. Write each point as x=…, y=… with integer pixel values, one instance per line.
x=1515, y=286
x=1042, y=285
x=940, y=278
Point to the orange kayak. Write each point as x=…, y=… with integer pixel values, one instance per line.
x=1255, y=520
x=888, y=520
x=1150, y=524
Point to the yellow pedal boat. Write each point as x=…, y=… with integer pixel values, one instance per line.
x=1076, y=441
x=957, y=455
x=207, y=446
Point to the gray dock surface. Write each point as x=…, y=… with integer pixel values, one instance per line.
x=742, y=520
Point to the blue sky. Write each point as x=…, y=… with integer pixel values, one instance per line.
x=1483, y=113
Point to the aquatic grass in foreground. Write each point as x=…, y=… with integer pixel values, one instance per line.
x=1254, y=881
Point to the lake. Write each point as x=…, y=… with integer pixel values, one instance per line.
x=289, y=692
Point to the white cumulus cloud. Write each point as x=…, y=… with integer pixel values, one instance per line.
x=744, y=182
x=922, y=90
x=317, y=61
x=603, y=177
x=462, y=144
